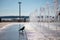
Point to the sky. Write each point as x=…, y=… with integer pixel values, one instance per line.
x=11, y=7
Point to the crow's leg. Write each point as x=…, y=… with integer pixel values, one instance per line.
x=22, y=30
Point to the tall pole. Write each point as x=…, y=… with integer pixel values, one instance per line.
x=19, y=10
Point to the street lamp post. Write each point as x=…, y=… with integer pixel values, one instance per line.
x=19, y=10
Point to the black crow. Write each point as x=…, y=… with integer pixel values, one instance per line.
x=21, y=29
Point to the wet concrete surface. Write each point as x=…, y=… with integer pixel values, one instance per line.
x=32, y=32
x=12, y=33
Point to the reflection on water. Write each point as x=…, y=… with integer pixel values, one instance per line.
x=12, y=33
x=22, y=36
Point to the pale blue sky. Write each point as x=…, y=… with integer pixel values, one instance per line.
x=10, y=7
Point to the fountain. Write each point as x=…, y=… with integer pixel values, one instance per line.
x=34, y=16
